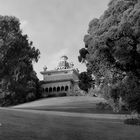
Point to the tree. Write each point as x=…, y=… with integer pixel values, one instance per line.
x=113, y=46
x=17, y=54
x=83, y=52
x=85, y=81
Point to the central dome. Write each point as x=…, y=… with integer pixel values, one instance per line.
x=63, y=64
x=63, y=58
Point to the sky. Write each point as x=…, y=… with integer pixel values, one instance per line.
x=56, y=27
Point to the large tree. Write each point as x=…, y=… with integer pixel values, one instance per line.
x=85, y=81
x=17, y=77
x=112, y=50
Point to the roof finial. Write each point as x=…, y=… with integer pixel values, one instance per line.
x=45, y=68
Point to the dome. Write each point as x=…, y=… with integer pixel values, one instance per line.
x=63, y=64
x=63, y=58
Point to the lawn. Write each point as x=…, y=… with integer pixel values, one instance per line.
x=18, y=125
x=80, y=101
x=80, y=104
x=68, y=118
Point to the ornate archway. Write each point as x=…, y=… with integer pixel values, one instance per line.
x=54, y=89
x=58, y=89
x=50, y=89
x=66, y=88
x=62, y=88
x=46, y=89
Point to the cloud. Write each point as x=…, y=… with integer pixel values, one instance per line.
x=23, y=23
x=54, y=59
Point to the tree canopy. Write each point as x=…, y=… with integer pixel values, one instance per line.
x=17, y=76
x=85, y=81
x=112, y=46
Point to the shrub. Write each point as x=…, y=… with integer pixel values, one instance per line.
x=132, y=121
x=62, y=94
x=124, y=108
x=30, y=97
x=103, y=106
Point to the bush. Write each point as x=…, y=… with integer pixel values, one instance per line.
x=132, y=121
x=30, y=97
x=124, y=108
x=57, y=94
x=62, y=94
x=103, y=106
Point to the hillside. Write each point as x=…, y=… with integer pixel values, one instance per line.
x=65, y=101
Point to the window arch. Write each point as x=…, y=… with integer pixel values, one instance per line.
x=50, y=89
x=58, y=89
x=62, y=88
x=66, y=88
x=54, y=89
x=46, y=89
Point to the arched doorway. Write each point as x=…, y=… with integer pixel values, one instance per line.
x=66, y=88
x=54, y=89
x=58, y=89
x=46, y=89
x=62, y=88
x=50, y=89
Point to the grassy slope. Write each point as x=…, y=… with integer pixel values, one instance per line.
x=64, y=101
x=23, y=125
x=29, y=126
x=81, y=104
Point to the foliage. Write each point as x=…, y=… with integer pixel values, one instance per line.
x=62, y=94
x=85, y=81
x=132, y=121
x=103, y=106
x=130, y=92
x=83, y=52
x=19, y=82
x=112, y=48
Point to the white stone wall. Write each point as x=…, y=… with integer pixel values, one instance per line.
x=65, y=85
x=57, y=77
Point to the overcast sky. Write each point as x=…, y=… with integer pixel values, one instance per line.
x=56, y=27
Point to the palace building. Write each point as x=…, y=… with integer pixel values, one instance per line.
x=63, y=79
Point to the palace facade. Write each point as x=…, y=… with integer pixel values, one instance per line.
x=63, y=79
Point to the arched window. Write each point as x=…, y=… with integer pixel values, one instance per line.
x=58, y=89
x=50, y=89
x=62, y=88
x=46, y=89
x=54, y=89
x=66, y=88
